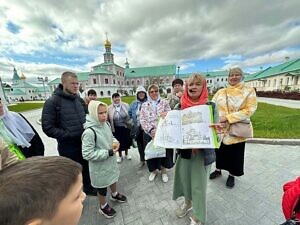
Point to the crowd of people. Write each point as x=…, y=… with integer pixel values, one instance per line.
x=93, y=138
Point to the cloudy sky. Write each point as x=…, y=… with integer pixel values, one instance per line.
x=46, y=37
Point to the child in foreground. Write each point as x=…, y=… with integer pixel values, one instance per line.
x=99, y=147
x=41, y=190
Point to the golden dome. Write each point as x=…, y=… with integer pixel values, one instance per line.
x=22, y=77
x=107, y=43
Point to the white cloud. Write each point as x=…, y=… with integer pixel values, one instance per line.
x=249, y=33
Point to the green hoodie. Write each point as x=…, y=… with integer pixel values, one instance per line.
x=104, y=170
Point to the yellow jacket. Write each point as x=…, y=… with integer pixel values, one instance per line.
x=241, y=105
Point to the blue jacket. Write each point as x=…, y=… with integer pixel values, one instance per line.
x=136, y=107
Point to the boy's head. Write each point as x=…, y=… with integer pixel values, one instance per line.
x=177, y=85
x=98, y=111
x=40, y=191
x=92, y=95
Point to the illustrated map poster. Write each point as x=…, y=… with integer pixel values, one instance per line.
x=186, y=129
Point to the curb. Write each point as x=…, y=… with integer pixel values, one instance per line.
x=270, y=141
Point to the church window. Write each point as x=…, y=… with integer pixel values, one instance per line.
x=138, y=82
x=101, y=93
x=94, y=81
x=114, y=81
x=127, y=82
x=106, y=81
x=108, y=93
x=132, y=82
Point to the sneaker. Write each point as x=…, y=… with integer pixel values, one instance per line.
x=164, y=177
x=107, y=211
x=183, y=209
x=230, y=181
x=119, y=197
x=193, y=222
x=152, y=176
x=215, y=174
x=119, y=159
x=128, y=157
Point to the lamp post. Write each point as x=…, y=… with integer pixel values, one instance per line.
x=43, y=80
x=178, y=68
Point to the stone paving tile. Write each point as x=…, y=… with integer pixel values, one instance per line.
x=256, y=198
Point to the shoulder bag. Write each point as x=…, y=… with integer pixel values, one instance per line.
x=240, y=129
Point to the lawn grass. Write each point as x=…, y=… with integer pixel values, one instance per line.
x=127, y=99
x=25, y=106
x=269, y=121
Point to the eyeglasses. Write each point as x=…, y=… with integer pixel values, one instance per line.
x=151, y=92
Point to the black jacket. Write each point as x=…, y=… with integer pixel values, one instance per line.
x=63, y=117
x=37, y=147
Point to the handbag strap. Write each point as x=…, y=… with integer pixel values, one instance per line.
x=241, y=103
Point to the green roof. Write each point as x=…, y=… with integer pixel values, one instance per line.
x=83, y=76
x=24, y=84
x=15, y=76
x=42, y=89
x=150, y=71
x=100, y=71
x=287, y=67
x=55, y=81
x=210, y=74
x=17, y=91
x=216, y=73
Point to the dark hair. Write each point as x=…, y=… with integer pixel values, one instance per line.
x=114, y=95
x=34, y=188
x=177, y=81
x=91, y=92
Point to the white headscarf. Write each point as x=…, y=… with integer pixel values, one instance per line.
x=93, y=109
x=17, y=130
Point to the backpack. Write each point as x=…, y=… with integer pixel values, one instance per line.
x=95, y=138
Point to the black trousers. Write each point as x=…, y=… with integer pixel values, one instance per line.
x=157, y=163
x=102, y=191
x=231, y=158
x=74, y=152
x=141, y=144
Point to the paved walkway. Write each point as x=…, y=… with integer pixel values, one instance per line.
x=256, y=198
x=281, y=102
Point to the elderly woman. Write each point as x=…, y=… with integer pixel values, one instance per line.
x=193, y=165
x=119, y=120
x=151, y=110
x=18, y=134
x=236, y=102
x=134, y=114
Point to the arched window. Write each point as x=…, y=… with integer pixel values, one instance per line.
x=108, y=93
x=132, y=82
x=101, y=93
x=127, y=82
x=138, y=82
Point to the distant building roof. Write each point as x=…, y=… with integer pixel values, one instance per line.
x=83, y=76
x=15, y=75
x=209, y=74
x=100, y=71
x=55, y=81
x=23, y=84
x=287, y=67
x=17, y=91
x=150, y=71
